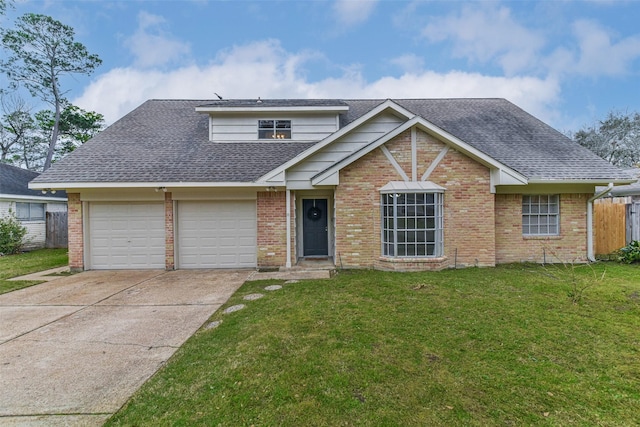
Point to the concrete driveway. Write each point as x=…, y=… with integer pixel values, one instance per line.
x=73, y=350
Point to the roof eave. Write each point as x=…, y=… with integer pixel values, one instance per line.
x=592, y=181
x=158, y=184
x=38, y=198
x=247, y=109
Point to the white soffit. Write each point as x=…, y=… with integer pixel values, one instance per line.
x=411, y=187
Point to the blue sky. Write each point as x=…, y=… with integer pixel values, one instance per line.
x=567, y=62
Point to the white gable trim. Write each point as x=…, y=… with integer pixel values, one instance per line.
x=430, y=128
x=388, y=104
x=434, y=164
x=394, y=163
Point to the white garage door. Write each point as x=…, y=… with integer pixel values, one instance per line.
x=219, y=234
x=126, y=235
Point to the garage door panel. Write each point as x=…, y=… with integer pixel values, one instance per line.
x=126, y=235
x=220, y=234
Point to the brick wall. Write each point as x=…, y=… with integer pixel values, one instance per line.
x=569, y=246
x=169, y=257
x=76, y=237
x=272, y=229
x=468, y=206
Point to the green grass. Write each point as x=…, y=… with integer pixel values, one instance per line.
x=474, y=347
x=29, y=262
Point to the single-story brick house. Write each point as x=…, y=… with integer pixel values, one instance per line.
x=29, y=206
x=406, y=184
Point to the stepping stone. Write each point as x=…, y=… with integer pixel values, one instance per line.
x=273, y=288
x=291, y=281
x=234, y=308
x=252, y=297
x=213, y=325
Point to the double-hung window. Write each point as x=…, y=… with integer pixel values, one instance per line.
x=541, y=215
x=30, y=211
x=274, y=129
x=412, y=224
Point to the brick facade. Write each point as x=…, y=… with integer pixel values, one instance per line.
x=272, y=229
x=469, y=233
x=480, y=228
x=569, y=246
x=76, y=233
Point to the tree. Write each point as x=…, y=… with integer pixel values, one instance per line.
x=16, y=124
x=76, y=127
x=4, y=5
x=615, y=139
x=42, y=50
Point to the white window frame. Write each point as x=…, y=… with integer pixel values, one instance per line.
x=26, y=211
x=541, y=215
x=412, y=224
x=279, y=129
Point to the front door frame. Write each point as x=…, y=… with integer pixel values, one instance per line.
x=301, y=196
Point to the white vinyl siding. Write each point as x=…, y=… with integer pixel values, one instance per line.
x=243, y=128
x=216, y=234
x=126, y=235
x=299, y=176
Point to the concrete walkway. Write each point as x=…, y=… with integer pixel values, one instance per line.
x=74, y=349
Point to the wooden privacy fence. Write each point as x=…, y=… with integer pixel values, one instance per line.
x=633, y=222
x=57, y=230
x=610, y=226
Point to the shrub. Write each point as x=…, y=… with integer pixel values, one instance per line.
x=630, y=253
x=11, y=234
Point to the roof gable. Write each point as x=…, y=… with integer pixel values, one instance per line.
x=504, y=173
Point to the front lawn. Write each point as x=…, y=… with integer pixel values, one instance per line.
x=513, y=345
x=29, y=262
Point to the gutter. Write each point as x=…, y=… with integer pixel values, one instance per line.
x=590, y=255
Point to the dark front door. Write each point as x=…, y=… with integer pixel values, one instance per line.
x=314, y=227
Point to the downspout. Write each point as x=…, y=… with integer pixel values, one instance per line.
x=288, y=262
x=590, y=255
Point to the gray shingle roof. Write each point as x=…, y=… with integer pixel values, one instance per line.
x=15, y=181
x=167, y=141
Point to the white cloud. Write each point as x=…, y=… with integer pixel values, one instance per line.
x=486, y=34
x=265, y=69
x=151, y=46
x=596, y=54
x=353, y=12
x=410, y=62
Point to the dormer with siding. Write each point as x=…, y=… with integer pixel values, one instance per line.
x=273, y=120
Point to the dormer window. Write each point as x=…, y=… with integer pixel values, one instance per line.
x=274, y=129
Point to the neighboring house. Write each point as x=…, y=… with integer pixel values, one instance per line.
x=413, y=184
x=29, y=206
x=628, y=193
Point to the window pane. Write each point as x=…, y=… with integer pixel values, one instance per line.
x=265, y=134
x=274, y=129
x=22, y=211
x=37, y=211
x=540, y=215
x=412, y=224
